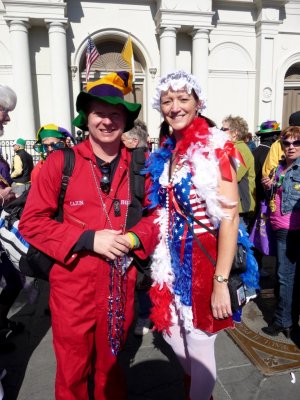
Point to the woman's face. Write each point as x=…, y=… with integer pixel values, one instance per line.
x=178, y=108
x=291, y=148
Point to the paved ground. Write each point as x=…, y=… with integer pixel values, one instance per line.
x=152, y=369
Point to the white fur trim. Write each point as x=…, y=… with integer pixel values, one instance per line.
x=161, y=271
x=185, y=314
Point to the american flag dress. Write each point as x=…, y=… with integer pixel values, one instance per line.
x=192, y=280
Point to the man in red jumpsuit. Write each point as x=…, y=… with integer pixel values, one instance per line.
x=91, y=301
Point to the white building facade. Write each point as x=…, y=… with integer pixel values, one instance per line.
x=246, y=54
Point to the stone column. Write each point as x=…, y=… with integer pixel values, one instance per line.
x=59, y=73
x=22, y=78
x=267, y=28
x=200, y=56
x=167, y=50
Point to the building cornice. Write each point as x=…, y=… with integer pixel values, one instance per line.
x=36, y=11
x=180, y=18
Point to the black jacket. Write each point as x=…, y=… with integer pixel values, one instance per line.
x=27, y=167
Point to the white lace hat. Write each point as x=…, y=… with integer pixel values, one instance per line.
x=178, y=80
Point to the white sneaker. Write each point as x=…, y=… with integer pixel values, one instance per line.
x=142, y=326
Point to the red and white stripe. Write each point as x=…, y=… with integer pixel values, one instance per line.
x=199, y=212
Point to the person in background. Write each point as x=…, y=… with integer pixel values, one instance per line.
x=276, y=152
x=190, y=296
x=69, y=142
x=136, y=141
x=22, y=167
x=5, y=179
x=250, y=142
x=49, y=138
x=13, y=282
x=92, y=281
x=8, y=101
x=237, y=128
x=268, y=133
x=284, y=192
x=137, y=137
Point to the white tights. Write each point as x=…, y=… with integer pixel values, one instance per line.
x=196, y=353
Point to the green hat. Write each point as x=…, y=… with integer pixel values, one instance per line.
x=110, y=89
x=52, y=130
x=20, y=142
x=268, y=127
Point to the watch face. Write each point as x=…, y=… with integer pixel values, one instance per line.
x=220, y=278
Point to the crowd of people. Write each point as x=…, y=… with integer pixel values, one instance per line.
x=161, y=224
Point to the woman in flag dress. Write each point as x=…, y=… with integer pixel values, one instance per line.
x=193, y=178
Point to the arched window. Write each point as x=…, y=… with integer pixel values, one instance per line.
x=110, y=60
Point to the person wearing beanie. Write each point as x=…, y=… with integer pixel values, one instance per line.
x=92, y=281
x=49, y=138
x=22, y=167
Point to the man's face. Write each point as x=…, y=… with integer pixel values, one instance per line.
x=50, y=144
x=16, y=147
x=106, y=122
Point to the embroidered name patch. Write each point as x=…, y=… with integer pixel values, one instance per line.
x=76, y=203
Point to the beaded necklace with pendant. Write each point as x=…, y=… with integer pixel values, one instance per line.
x=278, y=180
x=117, y=283
x=168, y=205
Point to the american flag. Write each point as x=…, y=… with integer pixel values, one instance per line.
x=91, y=56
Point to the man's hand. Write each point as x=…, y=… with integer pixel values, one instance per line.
x=6, y=196
x=111, y=244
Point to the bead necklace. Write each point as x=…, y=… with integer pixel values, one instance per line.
x=117, y=282
x=168, y=205
x=278, y=181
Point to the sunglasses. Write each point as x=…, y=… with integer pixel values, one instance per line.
x=44, y=148
x=224, y=129
x=295, y=143
x=105, y=179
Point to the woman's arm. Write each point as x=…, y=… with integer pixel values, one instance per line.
x=227, y=242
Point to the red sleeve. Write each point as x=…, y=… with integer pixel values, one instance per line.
x=37, y=224
x=146, y=230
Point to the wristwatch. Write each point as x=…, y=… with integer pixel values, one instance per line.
x=220, y=278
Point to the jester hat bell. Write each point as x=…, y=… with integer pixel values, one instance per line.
x=111, y=89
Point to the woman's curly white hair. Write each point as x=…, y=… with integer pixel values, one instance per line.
x=8, y=98
x=178, y=80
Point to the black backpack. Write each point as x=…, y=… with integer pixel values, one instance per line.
x=36, y=263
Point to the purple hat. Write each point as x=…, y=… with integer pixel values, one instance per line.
x=110, y=89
